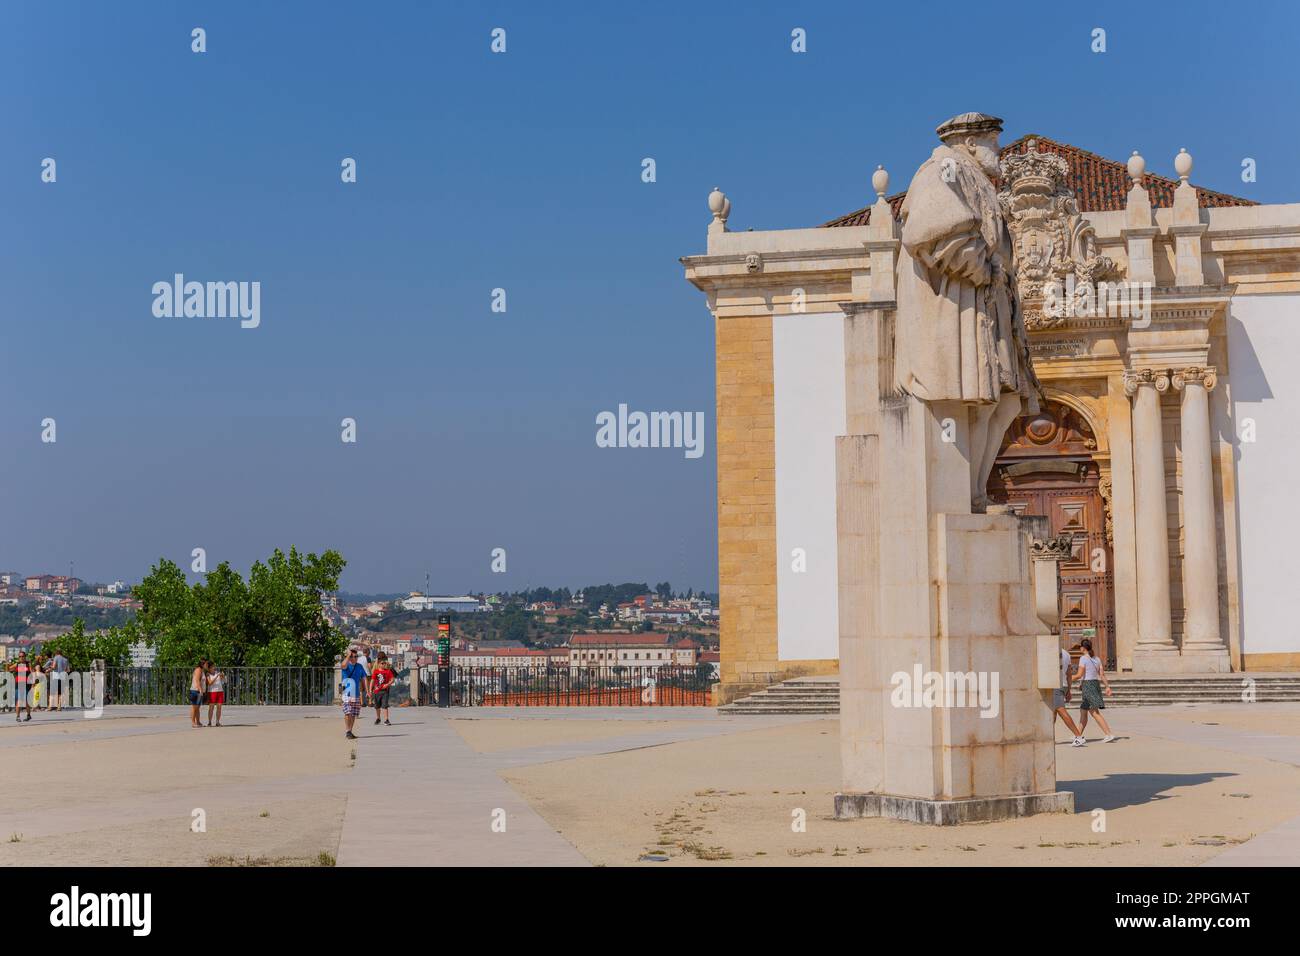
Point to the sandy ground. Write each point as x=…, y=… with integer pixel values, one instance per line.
x=1255, y=718
x=738, y=799
x=487, y=736
x=123, y=790
x=281, y=785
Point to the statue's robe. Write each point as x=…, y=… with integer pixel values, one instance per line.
x=959, y=335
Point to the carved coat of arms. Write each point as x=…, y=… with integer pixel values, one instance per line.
x=1052, y=241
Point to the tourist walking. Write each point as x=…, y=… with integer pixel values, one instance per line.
x=353, y=679
x=364, y=658
x=59, y=669
x=1093, y=681
x=216, y=691
x=1061, y=697
x=198, y=687
x=23, y=680
x=382, y=678
x=39, y=683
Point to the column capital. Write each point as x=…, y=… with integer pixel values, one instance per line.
x=1203, y=375
x=1135, y=378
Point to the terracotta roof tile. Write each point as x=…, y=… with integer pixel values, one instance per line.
x=613, y=639
x=1100, y=184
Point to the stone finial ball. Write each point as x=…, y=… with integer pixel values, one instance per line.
x=1137, y=166
x=1183, y=163
x=880, y=181
x=717, y=201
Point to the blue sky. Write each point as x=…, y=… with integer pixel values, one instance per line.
x=476, y=429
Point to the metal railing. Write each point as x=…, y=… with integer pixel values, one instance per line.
x=243, y=685
x=600, y=685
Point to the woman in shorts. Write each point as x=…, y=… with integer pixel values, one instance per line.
x=23, y=680
x=216, y=691
x=198, y=687
x=1093, y=681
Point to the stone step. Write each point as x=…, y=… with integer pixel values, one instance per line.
x=1198, y=691
x=803, y=691
x=796, y=702
x=1073, y=706
x=1235, y=681
x=832, y=710
x=751, y=702
x=810, y=682
x=821, y=695
x=732, y=709
x=1259, y=698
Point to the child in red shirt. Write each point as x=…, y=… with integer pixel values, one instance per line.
x=381, y=682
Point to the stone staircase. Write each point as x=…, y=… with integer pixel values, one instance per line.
x=1145, y=691
x=799, y=695
x=821, y=695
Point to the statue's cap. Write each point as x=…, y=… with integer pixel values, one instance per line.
x=969, y=124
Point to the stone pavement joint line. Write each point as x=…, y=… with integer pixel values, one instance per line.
x=421, y=796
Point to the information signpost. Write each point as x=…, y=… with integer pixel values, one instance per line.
x=444, y=660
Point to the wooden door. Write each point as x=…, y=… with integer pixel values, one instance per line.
x=1045, y=468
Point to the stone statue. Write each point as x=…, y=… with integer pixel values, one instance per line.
x=960, y=335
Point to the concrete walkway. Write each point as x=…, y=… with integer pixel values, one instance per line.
x=421, y=796
x=1279, y=846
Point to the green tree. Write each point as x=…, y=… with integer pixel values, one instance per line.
x=75, y=646
x=80, y=648
x=273, y=619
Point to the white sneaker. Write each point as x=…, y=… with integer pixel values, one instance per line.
x=1078, y=742
x=1108, y=738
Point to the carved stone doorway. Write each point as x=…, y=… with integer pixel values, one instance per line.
x=1046, y=467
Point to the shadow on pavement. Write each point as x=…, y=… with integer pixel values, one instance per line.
x=1117, y=790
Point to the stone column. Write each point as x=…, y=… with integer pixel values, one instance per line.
x=1201, y=636
x=1155, y=639
x=1122, y=517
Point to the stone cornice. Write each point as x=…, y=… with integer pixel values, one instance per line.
x=1089, y=324
x=1213, y=296
x=857, y=308
x=760, y=269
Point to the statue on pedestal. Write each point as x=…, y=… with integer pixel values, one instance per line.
x=960, y=335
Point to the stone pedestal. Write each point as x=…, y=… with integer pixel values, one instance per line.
x=943, y=716
x=851, y=806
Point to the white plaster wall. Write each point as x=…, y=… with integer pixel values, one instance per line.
x=808, y=391
x=1263, y=355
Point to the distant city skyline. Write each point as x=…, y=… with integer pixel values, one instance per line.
x=650, y=583
x=522, y=171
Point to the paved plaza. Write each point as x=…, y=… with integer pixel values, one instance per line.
x=1184, y=785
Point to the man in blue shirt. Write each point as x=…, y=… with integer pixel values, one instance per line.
x=354, y=680
x=58, y=681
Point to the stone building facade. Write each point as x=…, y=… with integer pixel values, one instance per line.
x=1166, y=446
